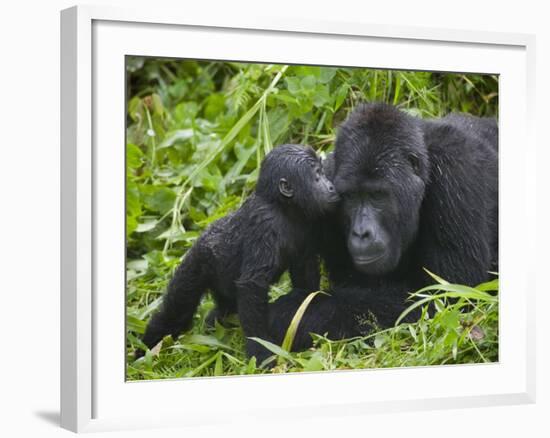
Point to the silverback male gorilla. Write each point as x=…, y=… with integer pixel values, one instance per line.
x=414, y=194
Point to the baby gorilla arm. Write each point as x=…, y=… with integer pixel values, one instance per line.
x=260, y=268
x=304, y=273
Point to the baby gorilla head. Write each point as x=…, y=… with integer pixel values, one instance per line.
x=292, y=176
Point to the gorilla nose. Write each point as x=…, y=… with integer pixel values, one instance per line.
x=363, y=233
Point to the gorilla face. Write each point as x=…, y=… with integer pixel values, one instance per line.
x=293, y=176
x=379, y=216
x=380, y=172
x=368, y=216
x=314, y=193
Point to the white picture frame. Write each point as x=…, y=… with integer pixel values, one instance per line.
x=94, y=394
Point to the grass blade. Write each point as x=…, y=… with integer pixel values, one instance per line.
x=275, y=349
x=458, y=291
x=449, y=291
x=230, y=136
x=489, y=286
x=293, y=327
x=436, y=277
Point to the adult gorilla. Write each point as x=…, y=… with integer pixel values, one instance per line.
x=415, y=194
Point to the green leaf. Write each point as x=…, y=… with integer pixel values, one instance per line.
x=340, y=96
x=134, y=156
x=379, y=340
x=458, y=291
x=251, y=366
x=218, y=368
x=238, y=167
x=412, y=331
x=450, y=319
x=176, y=235
x=293, y=85
x=326, y=74
x=211, y=182
x=315, y=363
x=134, y=324
x=133, y=206
x=436, y=277
x=211, y=341
x=449, y=291
x=308, y=83
x=131, y=224
x=450, y=338
x=278, y=122
x=148, y=359
x=215, y=104
x=284, y=98
x=158, y=199
x=175, y=136
x=198, y=369
x=455, y=350
x=135, y=109
x=138, y=264
x=488, y=286
x=158, y=107
x=321, y=96
x=293, y=327
x=146, y=226
x=274, y=348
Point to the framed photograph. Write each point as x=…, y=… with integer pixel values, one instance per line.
x=317, y=214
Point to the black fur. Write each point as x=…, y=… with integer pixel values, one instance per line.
x=415, y=194
x=239, y=256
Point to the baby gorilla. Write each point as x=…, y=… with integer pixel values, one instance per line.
x=239, y=256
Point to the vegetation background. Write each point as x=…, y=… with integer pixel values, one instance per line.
x=196, y=134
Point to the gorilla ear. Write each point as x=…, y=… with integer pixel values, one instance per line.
x=415, y=163
x=285, y=188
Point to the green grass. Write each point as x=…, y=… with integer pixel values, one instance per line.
x=461, y=328
x=196, y=134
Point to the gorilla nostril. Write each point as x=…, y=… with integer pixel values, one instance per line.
x=362, y=234
x=330, y=188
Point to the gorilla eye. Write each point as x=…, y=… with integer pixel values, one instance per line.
x=415, y=163
x=377, y=194
x=351, y=196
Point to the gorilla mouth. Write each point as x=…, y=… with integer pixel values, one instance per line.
x=362, y=261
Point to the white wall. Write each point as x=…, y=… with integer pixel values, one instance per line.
x=29, y=219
